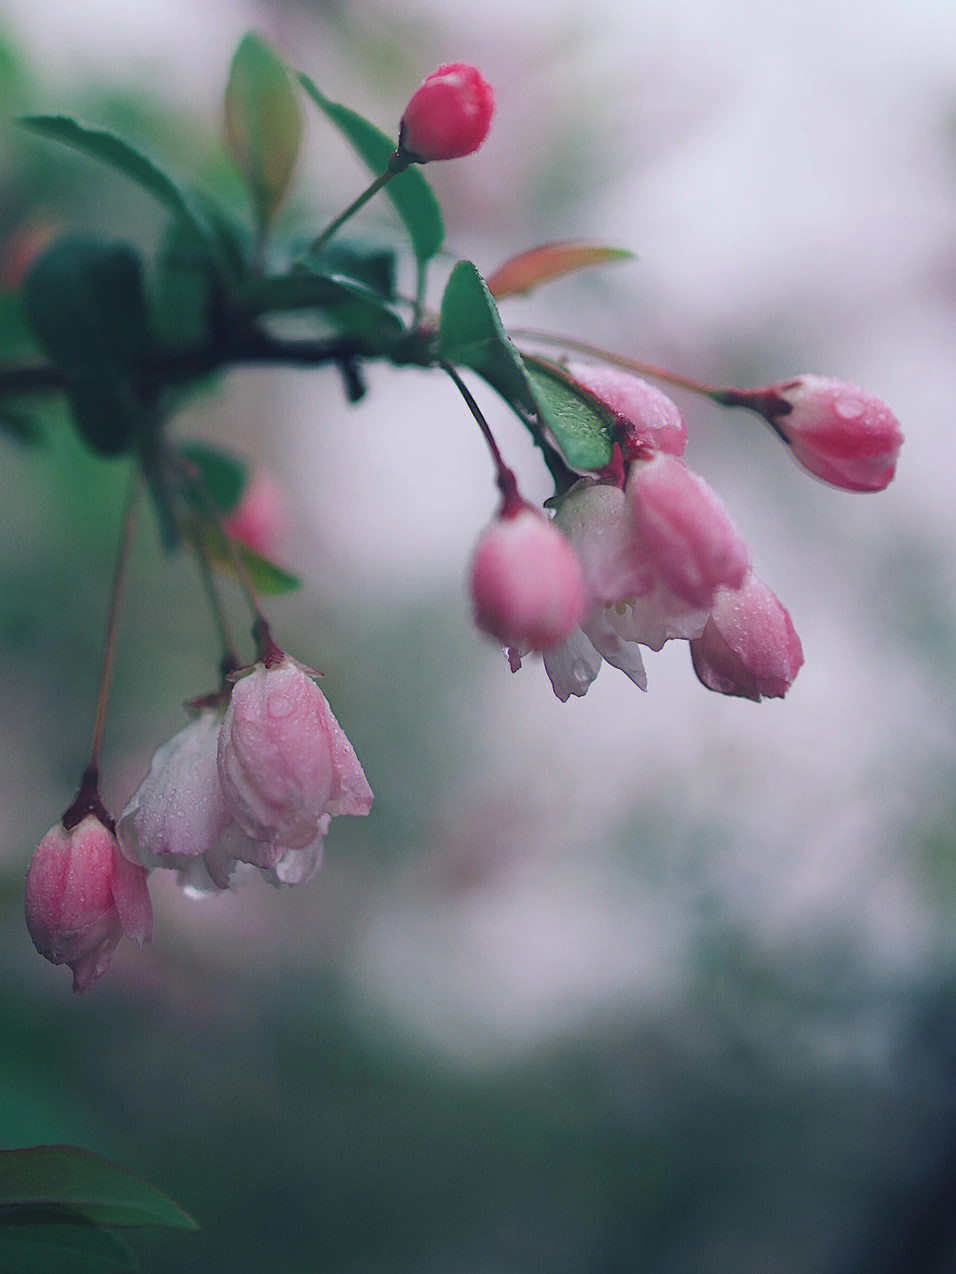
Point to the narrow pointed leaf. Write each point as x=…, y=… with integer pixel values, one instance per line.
x=263, y=124
x=539, y=265
x=97, y=1191
x=409, y=191
x=265, y=576
x=41, y=1240
x=97, y=143
x=472, y=335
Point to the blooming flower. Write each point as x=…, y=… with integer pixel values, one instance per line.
x=82, y=896
x=448, y=115
x=284, y=762
x=749, y=646
x=526, y=582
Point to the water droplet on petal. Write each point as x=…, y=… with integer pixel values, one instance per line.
x=849, y=408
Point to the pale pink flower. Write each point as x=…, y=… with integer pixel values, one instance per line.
x=647, y=418
x=448, y=115
x=749, y=646
x=526, y=582
x=285, y=763
x=82, y=896
x=838, y=432
x=683, y=534
x=259, y=519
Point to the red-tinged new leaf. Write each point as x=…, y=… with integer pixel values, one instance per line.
x=539, y=265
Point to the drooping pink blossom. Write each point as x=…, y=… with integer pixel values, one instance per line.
x=82, y=896
x=749, y=646
x=259, y=519
x=683, y=533
x=648, y=419
x=526, y=583
x=448, y=116
x=284, y=761
x=838, y=432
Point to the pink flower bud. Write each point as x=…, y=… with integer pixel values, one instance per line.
x=648, y=418
x=259, y=519
x=749, y=646
x=82, y=895
x=526, y=582
x=683, y=532
x=284, y=760
x=842, y=434
x=448, y=115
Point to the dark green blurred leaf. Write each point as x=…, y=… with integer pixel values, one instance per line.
x=19, y=424
x=472, y=335
x=539, y=265
x=85, y=301
x=409, y=191
x=263, y=124
x=223, y=475
x=576, y=419
x=53, y=1240
x=16, y=337
x=182, y=287
x=119, y=154
x=362, y=263
x=351, y=307
x=91, y=1187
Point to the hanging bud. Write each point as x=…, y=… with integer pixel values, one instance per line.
x=448, y=115
x=838, y=432
x=527, y=586
x=82, y=896
x=749, y=646
x=648, y=420
x=684, y=534
x=284, y=761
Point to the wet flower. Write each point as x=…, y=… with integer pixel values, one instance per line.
x=448, y=116
x=749, y=646
x=647, y=418
x=82, y=896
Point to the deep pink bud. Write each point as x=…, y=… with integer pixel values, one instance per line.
x=259, y=519
x=448, y=116
x=749, y=646
x=284, y=761
x=527, y=585
x=648, y=418
x=82, y=895
x=683, y=532
x=839, y=432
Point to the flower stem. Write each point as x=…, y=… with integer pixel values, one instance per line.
x=230, y=660
x=396, y=164
x=507, y=483
x=617, y=360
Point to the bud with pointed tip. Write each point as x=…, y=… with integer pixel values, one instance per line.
x=749, y=646
x=648, y=419
x=526, y=584
x=448, y=115
x=82, y=896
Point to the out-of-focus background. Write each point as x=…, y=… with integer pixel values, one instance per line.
x=658, y=981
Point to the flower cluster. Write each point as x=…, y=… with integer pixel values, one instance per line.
x=659, y=558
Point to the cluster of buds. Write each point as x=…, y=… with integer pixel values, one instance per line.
x=646, y=553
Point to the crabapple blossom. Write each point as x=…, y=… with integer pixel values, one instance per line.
x=526, y=582
x=259, y=519
x=647, y=418
x=284, y=761
x=448, y=115
x=749, y=646
x=684, y=534
x=838, y=432
x=82, y=896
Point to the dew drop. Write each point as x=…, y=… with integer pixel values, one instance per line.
x=279, y=705
x=848, y=408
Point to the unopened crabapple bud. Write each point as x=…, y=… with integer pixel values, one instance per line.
x=838, y=432
x=527, y=586
x=82, y=896
x=749, y=646
x=683, y=532
x=648, y=419
x=448, y=115
x=284, y=761
x=259, y=519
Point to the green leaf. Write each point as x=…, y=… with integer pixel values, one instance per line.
x=16, y=337
x=265, y=576
x=369, y=265
x=53, y=1240
x=472, y=335
x=97, y=143
x=539, y=265
x=90, y=1187
x=19, y=425
x=351, y=307
x=182, y=287
x=578, y=422
x=263, y=122
x=409, y=191
x=84, y=299
x=223, y=475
